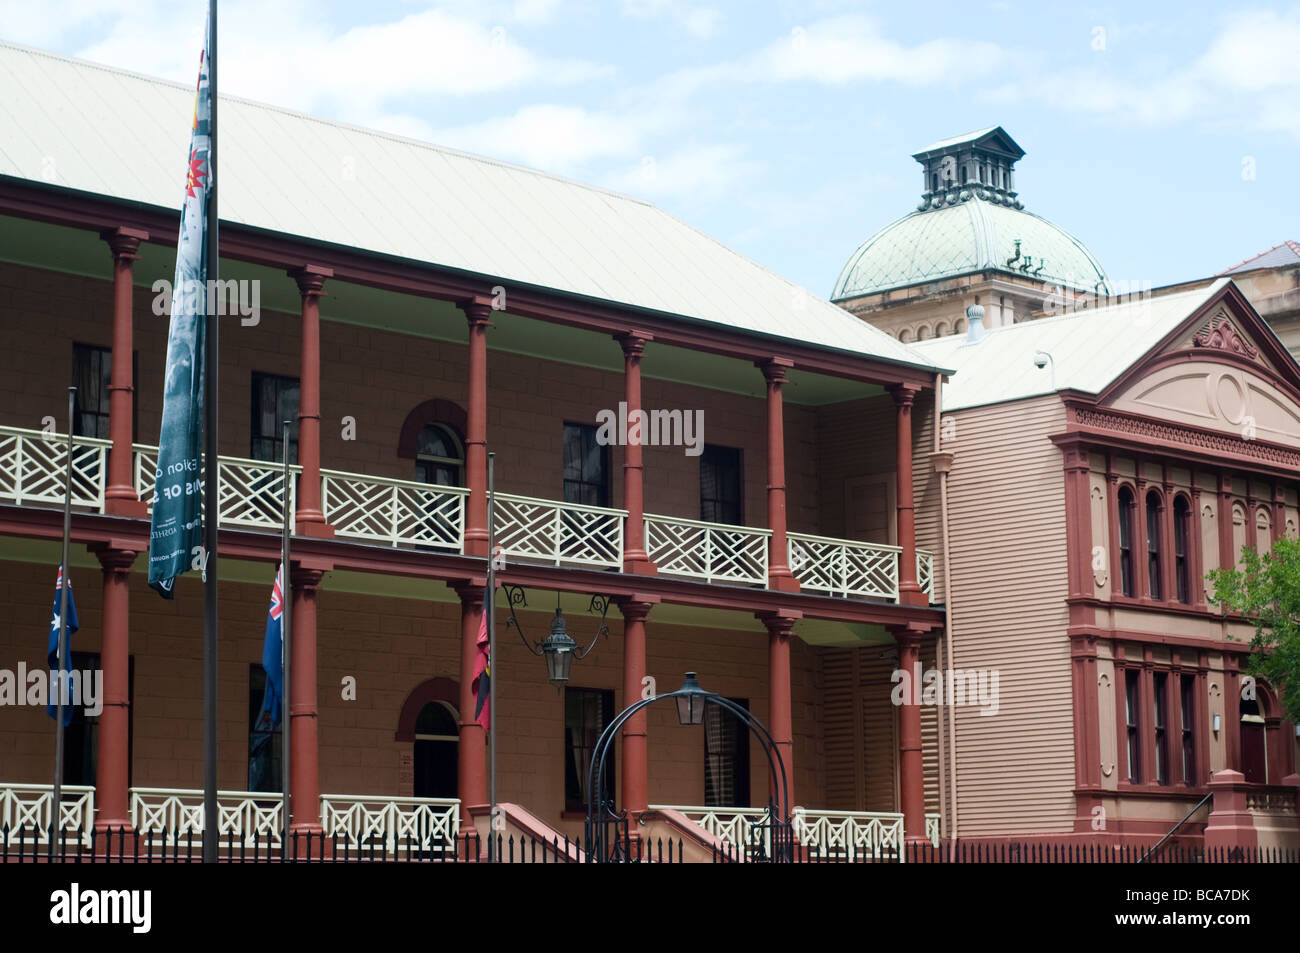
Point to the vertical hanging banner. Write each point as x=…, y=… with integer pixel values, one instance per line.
x=176, y=532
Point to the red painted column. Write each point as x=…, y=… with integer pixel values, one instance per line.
x=477, y=312
x=304, y=744
x=1279, y=512
x=1195, y=545
x=309, y=520
x=635, y=769
x=780, y=723
x=635, y=557
x=911, y=771
x=1141, y=555
x=112, y=768
x=909, y=591
x=120, y=498
x=779, y=575
x=472, y=750
x=1078, y=525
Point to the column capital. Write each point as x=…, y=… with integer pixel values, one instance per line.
x=634, y=342
x=910, y=633
x=904, y=394
x=306, y=578
x=478, y=309
x=310, y=279
x=113, y=559
x=471, y=591
x=637, y=606
x=774, y=368
x=124, y=242
x=779, y=621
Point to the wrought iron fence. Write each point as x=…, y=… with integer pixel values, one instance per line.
x=32, y=843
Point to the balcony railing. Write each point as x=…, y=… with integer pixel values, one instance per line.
x=562, y=534
x=254, y=818
x=409, y=514
x=834, y=834
x=713, y=552
x=30, y=805
x=32, y=464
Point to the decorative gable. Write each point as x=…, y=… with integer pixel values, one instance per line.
x=1219, y=332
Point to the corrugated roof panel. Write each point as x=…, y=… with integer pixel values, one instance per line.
x=284, y=172
x=1090, y=349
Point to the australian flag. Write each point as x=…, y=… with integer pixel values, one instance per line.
x=53, y=656
x=273, y=656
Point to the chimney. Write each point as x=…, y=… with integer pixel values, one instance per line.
x=975, y=324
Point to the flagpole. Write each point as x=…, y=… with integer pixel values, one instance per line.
x=489, y=606
x=56, y=819
x=285, y=630
x=210, y=474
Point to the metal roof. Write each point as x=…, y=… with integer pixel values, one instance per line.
x=1090, y=349
x=970, y=236
x=107, y=131
x=969, y=137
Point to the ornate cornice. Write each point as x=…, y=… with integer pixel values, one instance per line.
x=1146, y=429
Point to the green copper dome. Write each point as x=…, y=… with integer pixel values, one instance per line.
x=976, y=226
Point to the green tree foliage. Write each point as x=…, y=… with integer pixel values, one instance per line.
x=1266, y=590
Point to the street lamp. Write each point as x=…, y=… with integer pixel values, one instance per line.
x=558, y=649
x=690, y=701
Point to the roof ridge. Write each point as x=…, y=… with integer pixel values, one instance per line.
x=1294, y=246
x=338, y=123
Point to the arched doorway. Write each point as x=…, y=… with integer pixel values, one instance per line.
x=435, y=755
x=1254, y=740
x=429, y=722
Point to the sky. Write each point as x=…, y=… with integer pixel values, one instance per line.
x=1165, y=136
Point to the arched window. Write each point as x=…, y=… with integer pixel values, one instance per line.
x=435, y=761
x=905, y=335
x=1182, y=535
x=922, y=333
x=1263, y=530
x=1239, y=537
x=959, y=327
x=1125, y=517
x=941, y=329
x=439, y=458
x=1154, y=508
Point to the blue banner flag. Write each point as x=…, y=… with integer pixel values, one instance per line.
x=51, y=709
x=176, y=532
x=273, y=657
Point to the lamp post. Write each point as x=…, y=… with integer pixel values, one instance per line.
x=691, y=701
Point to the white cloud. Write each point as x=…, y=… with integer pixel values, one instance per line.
x=551, y=137
x=700, y=22
x=697, y=171
x=1257, y=51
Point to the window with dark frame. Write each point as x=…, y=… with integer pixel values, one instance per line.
x=1154, y=506
x=586, y=466
x=1125, y=517
x=586, y=713
x=1160, y=684
x=720, y=483
x=265, y=738
x=1182, y=523
x=1187, y=693
x=91, y=374
x=275, y=399
x=726, y=757
x=439, y=457
x=1131, y=701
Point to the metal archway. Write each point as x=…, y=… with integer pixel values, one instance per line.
x=603, y=820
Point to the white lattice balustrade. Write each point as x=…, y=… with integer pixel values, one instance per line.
x=395, y=824
x=32, y=465
x=714, y=552
x=29, y=806
x=396, y=512
x=842, y=567
x=559, y=533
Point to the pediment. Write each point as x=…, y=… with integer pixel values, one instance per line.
x=1224, y=333
x=1215, y=396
